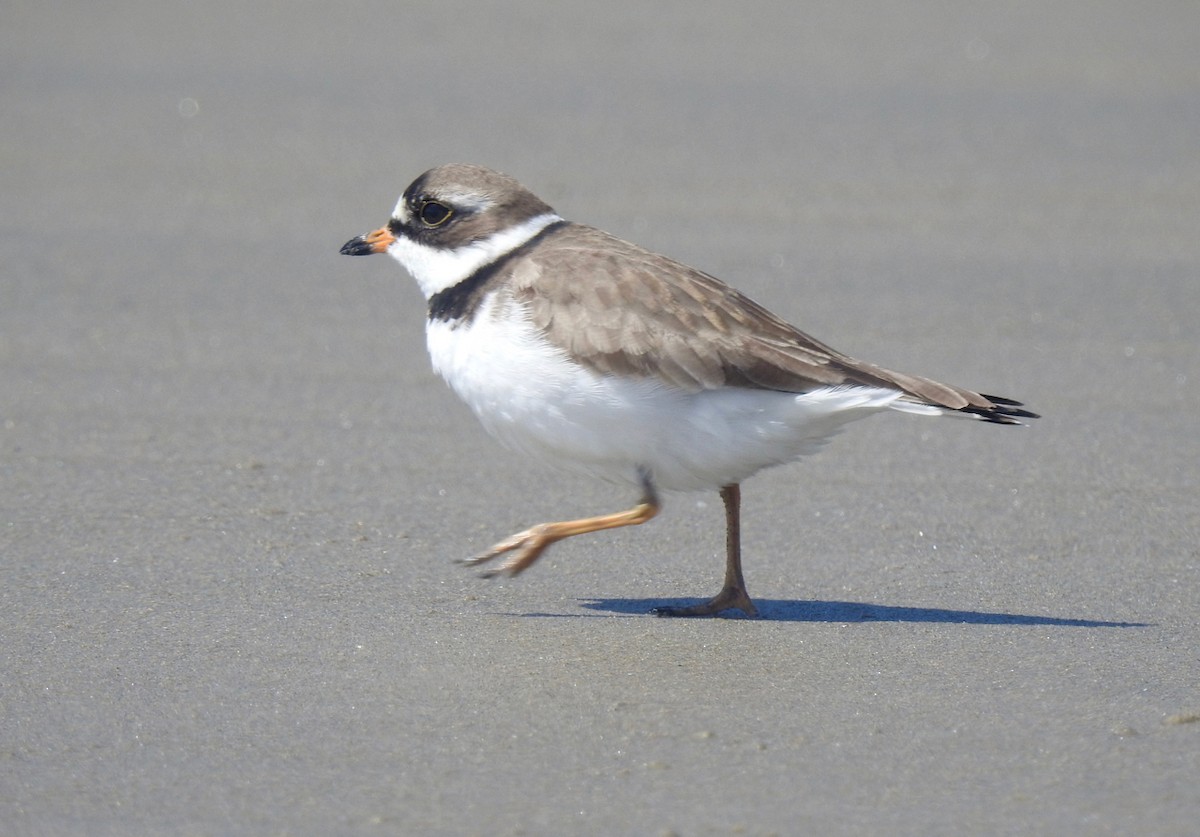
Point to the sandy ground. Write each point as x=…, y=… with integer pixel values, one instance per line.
x=231, y=489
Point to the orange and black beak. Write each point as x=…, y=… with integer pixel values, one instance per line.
x=366, y=245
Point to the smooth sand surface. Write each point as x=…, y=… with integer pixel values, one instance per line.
x=231, y=489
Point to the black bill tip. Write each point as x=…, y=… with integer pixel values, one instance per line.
x=357, y=246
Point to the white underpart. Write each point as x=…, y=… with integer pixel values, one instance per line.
x=531, y=396
x=435, y=270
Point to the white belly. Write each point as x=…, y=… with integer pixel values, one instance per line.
x=531, y=397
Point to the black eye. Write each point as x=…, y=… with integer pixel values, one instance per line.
x=434, y=214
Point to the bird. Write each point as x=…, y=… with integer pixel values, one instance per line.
x=579, y=349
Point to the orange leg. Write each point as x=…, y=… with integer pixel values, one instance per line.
x=733, y=595
x=529, y=545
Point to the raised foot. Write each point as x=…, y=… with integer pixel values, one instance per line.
x=730, y=598
x=526, y=547
x=529, y=545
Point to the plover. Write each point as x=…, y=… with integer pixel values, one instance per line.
x=577, y=348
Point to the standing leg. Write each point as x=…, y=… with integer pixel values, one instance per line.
x=733, y=594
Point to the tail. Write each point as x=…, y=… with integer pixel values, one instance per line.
x=989, y=408
x=1002, y=411
x=927, y=397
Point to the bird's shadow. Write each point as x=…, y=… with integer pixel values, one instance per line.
x=789, y=610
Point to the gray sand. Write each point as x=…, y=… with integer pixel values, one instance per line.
x=232, y=489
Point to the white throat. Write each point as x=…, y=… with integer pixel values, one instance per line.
x=436, y=270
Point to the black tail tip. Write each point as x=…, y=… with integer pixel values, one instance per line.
x=1005, y=411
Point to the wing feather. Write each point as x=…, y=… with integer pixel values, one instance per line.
x=622, y=310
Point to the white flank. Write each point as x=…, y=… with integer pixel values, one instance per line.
x=436, y=270
x=534, y=399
